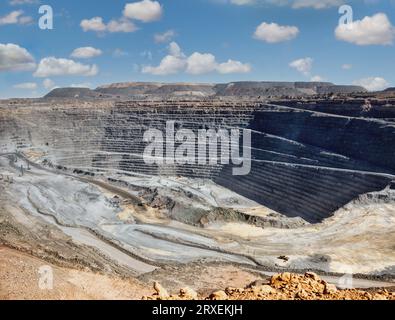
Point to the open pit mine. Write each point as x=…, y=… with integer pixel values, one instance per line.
x=77, y=194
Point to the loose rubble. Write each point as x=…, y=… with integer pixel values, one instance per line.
x=285, y=286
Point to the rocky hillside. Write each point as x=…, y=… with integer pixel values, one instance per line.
x=235, y=89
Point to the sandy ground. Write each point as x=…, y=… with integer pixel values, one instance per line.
x=20, y=280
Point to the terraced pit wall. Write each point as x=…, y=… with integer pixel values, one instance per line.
x=304, y=163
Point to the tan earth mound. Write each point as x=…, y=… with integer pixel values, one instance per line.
x=285, y=286
x=19, y=280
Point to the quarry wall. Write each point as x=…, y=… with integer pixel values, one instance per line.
x=304, y=163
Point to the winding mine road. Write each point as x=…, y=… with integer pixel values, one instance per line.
x=173, y=237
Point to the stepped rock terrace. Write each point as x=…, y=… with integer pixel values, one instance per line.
x=306, y=161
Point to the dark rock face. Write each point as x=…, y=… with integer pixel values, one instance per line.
x=304, y=163
x=355, y=108
x=313, y=163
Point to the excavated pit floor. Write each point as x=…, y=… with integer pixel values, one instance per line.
x=130, y=236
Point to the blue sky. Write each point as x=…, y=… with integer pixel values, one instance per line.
x=196, y=41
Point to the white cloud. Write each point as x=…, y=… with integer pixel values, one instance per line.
x=303, y=65
x=94, y=24
x=175, y=50
x=121, y=25
x=118, y=53
x=173, y=63
x=86, y=52
x=25, y=20
x=97, y=24
x=242, y=2
x=233, y=67
x=81, y=85
x=165, y=36
x=295, y=4
x=15, y=58
x=145, y=11
x=52, y=66
x=11, y=18
x=273, y=33
x=48, y=84
x=15, y=17
x=197, y=63
x=316, y=4
x=317, y=79
x=20, y=2
x=26, y=86
x=168, y=65
x=347, y=66
x=375, y=30
x=372, y=83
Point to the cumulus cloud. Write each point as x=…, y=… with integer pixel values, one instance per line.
x=375, y=30
x=303, y=65
x=15, y=58
x=316, y=4
x=273, y=33
x=48, y=84
x=168, y=65
x=145, y=11
x=296, y=4
x=118, y=53
x=372, y=83
x=81, y=85
x=197, y=63
x=52, y=66
x=175, y=50
x=86, y=53
x=94, y=24
x=20, y=2
x=173, y=63
x=121, y=25
x=317, y=79
x=26, y=86
x=232, y=66
x=97, y=24
x=164, y=37
x=15, y=17
x=242, y=2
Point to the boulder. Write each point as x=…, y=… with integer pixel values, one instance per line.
x=161, y=292
x=330, y=288
x=280, y=279
x=265, y=289
x=219, y=295
x=313, y=276
x=188, y=294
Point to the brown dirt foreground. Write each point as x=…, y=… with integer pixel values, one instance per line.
x=19, y=279
x=285, y=286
